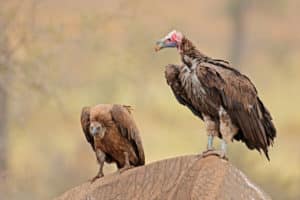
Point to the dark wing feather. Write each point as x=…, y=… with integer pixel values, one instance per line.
x=172, y=75
x=127, y=127
x=235, y=92
x=85, y=124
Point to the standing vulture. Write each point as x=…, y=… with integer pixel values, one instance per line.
x=220, y=95
x=113, y=135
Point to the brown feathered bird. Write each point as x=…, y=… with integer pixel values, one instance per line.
x=113, y=135
x=220, y=95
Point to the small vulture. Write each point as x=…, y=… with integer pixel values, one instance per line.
x=113, y=135
x=220, y=95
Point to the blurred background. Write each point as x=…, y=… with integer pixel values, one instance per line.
x=58, y=56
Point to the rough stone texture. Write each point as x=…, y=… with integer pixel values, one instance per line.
x=181, y=178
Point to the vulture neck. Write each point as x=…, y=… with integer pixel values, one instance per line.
x=191, y=56
x=189, y=53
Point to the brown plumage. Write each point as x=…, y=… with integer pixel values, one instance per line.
x=113, y=135
x=220, y=95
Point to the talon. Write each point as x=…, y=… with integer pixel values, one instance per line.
x=95, y=178
x=224, y=157
x=215, y=153
x=209, y=149
x=125, y=169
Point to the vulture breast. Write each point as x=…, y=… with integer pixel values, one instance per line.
x=114, y=145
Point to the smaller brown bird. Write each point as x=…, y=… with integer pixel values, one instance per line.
x=113, y=135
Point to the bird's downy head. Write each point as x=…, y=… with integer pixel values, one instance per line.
x=171, y=40
x=97, y=129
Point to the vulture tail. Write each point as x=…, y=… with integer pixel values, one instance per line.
x=268, y=125
x=256, y=127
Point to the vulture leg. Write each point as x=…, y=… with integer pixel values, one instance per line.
x=210, y=142
x=212, y=130
x=101, y=159
x=127, y=163
x=227, y=129
x=223, y=149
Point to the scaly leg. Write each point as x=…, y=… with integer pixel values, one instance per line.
x=127, y=163
x=221, y=153
x=213, y=130
x=210, y=141
x=101, y=159
x=224, y=149
x=227, y=129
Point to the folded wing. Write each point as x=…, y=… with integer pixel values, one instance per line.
x=127, y=127
x=85, y=124
x=239, y=97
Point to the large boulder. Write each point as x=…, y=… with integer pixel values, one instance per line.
x=181, y=178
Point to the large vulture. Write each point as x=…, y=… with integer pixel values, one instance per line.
x=220, y=95
x=113, y=135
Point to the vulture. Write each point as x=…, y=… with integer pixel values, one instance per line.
x=225, y=99
x=113, y=135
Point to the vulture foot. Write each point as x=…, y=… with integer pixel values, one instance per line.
x=219, y=153
x=125, y=169
x=127, y=164
x=96, y=177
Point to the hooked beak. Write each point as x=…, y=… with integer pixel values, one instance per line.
x=93, y=130
x=97, y=130
x=159, y=45
x=164, y=44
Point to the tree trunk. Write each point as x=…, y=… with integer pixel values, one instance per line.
x=3, y=129
x=238, y=10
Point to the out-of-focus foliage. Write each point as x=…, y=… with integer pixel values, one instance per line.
x=99, y=51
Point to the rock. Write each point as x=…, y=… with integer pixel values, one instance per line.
x=181, y=178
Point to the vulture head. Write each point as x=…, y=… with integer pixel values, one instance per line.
x=171, y=40
x=97, y=129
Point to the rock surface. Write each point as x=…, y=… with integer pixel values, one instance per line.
x=181, y=178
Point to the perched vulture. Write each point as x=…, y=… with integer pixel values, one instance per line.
x=113, y=135
x=220, y=95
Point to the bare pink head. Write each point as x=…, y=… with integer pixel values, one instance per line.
x=171, y=40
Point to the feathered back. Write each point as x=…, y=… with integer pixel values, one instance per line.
x=238, y=96
x=127, y=127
